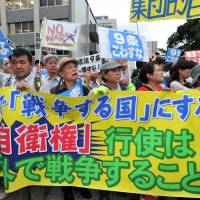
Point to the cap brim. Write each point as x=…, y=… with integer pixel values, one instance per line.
x=106, y=69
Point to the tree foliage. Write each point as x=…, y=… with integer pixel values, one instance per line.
x=187, y=36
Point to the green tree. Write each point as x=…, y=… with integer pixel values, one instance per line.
x=187, y=36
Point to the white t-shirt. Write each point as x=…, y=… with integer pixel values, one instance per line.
x=175, y=85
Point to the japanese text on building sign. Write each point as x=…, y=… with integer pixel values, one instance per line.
x=126, y=46
x=123, y=142
x=149, y=10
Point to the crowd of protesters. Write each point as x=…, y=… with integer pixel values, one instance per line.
x=63, y=79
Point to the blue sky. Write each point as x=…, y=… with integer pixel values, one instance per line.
x=119, y=9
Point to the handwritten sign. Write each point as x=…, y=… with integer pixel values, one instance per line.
x=90, y=63
x=59, y=35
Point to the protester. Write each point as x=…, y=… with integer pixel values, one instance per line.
x=179, y=73
x=155, y=56
x=7, y=69
x=5, y=73
x=151, y=76
x=91, y=79
x=22, y=77
x=135, y=75
x=161, y=62
x=195, y=74
x=111, y=77
x=39, y=63
x=50, y=61
x=124, y=72
x=70, y=86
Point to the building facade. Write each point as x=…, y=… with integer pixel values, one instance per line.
x=104, y=21
x=21, y=19
x=152, y=47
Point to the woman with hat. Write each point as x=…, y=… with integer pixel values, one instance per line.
x=70, y=84
x=111, y=77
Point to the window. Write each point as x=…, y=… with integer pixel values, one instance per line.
x=44, y=3
x=51, y=2
x=58, y=2
x=27, y=27
x=23, y=27
x=65, y=2
x=19, y=4
x=18, y=28
x=62, y=52
x=11, y=29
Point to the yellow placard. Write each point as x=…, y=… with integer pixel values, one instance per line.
x=151, y=10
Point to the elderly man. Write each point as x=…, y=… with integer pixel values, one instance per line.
x=50, y=61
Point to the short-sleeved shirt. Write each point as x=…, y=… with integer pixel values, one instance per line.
x=11, y=81
x=178, y=86
x=147, y=88
x=62, y=88
x=52, y=82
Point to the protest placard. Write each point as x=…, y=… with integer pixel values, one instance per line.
x=59, y=35
x=11, y=44
x=115, y=44
x=5, y=49
x=37, y=40
x=192, y=55
x=173, y=54
x=151, y=10
x=90, y=63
